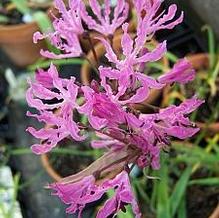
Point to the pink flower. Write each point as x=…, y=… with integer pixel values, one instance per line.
x=150, y=132
x=123, y=195
x=150, y=149
x=67, y=29
x=128, y=87
x=55, y=109
x=182, y=72
x=78, y=194
x=149, y=21
x=173, y=121
x=132, y=53
x=104, y=25
x=85, y=191
x=105, y=142
x=101, y=111
x=43, y=78
x=128, y=136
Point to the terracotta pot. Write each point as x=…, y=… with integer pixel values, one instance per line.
x=17, y=42
x=100, y=51
x=215, y=213
x=49, y=168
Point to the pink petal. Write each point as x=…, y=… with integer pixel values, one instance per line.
x=182, y=72
x=109, y=51
x=127, y=42
x=154, y=55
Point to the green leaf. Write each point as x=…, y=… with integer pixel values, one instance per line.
x=211, y=45
x=16, y=187
x=154, y=192
x=157, y=66
x=171, y=57
x=181, y=213
x=140, y=189
x=61, y=151
x=45, y=64
x=195, y=154
x=43, y=21
x=127, y=214
x=179, y=190
x=163, y=203
x=84, y=119
x=22, y=6
x=214, y=181
x=3, y=19
x=212, y=79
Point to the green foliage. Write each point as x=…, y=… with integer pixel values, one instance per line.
x=179, y=190
x=214, y=181
x=3, y=19
x=46, y=63
x=163, y=200
x=181, y=213
x=211, y=45
x=22, y=6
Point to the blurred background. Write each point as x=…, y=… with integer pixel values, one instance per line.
x=186, y=186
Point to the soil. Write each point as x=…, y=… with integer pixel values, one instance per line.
x=201, y=201
x=68, y=164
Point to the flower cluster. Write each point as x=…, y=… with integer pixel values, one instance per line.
x=129, y=136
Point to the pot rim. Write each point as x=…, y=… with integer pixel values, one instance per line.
x=48, y=167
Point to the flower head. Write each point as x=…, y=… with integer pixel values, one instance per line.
x=150, y=20
x=67, y=28
x=43, y=78
x=127, y=86
x=128, y=135
x=123, y=195
x=132, y=54
x=182, y=72
x=55, y=104
x=101, y=111
x=80, y=193
x=173, y=121
x=104, y=24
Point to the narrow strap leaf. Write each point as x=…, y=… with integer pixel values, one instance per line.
x=179, y=190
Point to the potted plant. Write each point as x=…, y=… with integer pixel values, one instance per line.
x=19, y=20
x=129, y=137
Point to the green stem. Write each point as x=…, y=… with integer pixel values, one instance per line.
x=46, y=64
x=63, y=151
